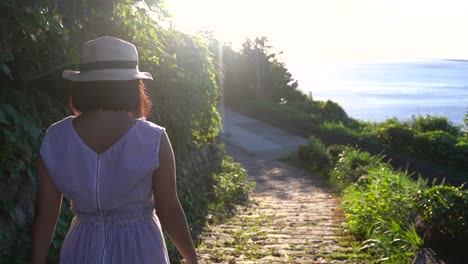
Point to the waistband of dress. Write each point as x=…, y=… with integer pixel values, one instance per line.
x=122, y=216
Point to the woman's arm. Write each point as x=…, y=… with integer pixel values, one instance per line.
x=48, y=204
x=168, y=207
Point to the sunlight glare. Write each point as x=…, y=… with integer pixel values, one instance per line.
x=335, y=30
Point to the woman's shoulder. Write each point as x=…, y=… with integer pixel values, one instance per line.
x=59, y=125
x=55, y=136
x=149, y=128
x=150, y=125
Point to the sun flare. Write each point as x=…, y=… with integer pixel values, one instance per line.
x=334, y=30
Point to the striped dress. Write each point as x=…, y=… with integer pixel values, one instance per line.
x=111, y=194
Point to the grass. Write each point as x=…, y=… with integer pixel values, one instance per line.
x=430, y=142
x=378, y=204
x=251, y=237
x=383, y=205
x=231, y=186
x=246, y=241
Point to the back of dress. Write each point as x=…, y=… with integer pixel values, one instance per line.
x=111, y=194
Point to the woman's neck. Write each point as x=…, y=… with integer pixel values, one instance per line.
x=106, y=115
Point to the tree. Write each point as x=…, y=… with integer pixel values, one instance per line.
x=254, y=72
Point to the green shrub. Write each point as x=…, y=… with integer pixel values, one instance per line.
x=350, y=166
x=461, y=154
x=379, y=211
x=433, y=139
x=392, y=242
x=287, y=110
x=393, y=214
x=395, y=135
x=436, y=146
x=24, y=116
x=429, y=123
x=314, y=154
x=359, y=125
x=443, y=211
x=466, y=124
x=308, y=107
x=39, y=41
x=315, y=119
x=334, y=152
x=231, y=186
x=338, y=128
x=332, y=111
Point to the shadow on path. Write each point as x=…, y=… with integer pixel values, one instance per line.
x=292, y=218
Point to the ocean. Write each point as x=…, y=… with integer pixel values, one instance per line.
x=381, y=90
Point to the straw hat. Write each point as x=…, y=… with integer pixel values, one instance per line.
x=107, y=59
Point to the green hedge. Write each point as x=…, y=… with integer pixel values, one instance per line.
x=432, y=139
x=429, y=123
x=390, y=212
x=41, y=38
x=314, y=153
x=443, y=216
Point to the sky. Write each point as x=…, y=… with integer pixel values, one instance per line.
x=313, y=31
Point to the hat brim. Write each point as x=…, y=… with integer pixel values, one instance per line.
x=106, y=75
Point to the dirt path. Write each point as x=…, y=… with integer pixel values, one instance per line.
x=293, y=218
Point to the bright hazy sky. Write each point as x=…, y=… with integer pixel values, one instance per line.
x=332, y=30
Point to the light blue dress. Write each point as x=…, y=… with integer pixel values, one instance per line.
x=111, y=194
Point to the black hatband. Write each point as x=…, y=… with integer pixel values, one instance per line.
x=103, y=65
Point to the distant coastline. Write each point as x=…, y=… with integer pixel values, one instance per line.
x=457, y=60
x=398, y=89
x=437, y=59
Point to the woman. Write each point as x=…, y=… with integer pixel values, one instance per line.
x=114, y=166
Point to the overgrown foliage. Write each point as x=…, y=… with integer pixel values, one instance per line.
x=466, y=124
x=257, y=83
x=350, y=167
x=390, y=212
x=314, y=153
x=433, y=139
x=378, y=210
x=231, y=187
x=379, y=201
x=429, y=123
x=443, y=216
x=24, y=114
x=39, y=39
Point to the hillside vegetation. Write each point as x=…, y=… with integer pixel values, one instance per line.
x=41, y=38
x=257, y=83
x=394, y=213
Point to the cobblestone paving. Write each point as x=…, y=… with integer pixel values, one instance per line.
x=293, y=218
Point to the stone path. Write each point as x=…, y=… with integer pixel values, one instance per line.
x=293, y=218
